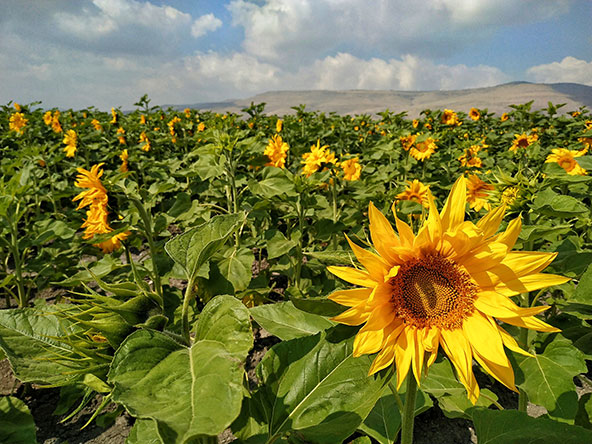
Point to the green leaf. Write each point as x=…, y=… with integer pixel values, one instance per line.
x=442, y=383
x=144, y=431
x=287, y=322
x=30, y=339
x=314, y=387
x=189, y=392
x=16, y=422
x=225, y=319
x=514, y=427
x=547, y=378
x=333, y=257
x=195, y=247
x=320, y=306
x=278, y=245
x=552, y=204
x=584, y=414
x=275, y=183
x=237, y=267
x=384, y=421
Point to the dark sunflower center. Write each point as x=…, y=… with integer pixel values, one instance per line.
x=433, y=291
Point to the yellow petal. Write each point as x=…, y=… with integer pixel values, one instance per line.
x=404, y=351
x=528, y=283
x=431, y=232
x=419, y=351
x=353, y=276
x=459, y=351
x=453, y=212
x=532, y=323
x=350, y=298
x=354, y=316
x=376, y=267
x=527, y=262
x=511, y=343
x=484, y=338
x=484, y=257
x=498, y=306
x=503, y=373
x=406, y=235
x=383, y=236
x=371, y=336
x=490, y=223
x=387, y=354
x=510, y=236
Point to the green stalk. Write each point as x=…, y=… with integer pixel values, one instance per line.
x=298, y=267
x=408, y=414
x=334, y=204
x=22, y=299
x=185, y=311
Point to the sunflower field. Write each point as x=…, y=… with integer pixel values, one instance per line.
x=393, y=265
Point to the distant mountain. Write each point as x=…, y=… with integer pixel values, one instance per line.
x=496, y=99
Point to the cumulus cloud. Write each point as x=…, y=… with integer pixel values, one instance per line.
x=569, y=69
x=204, y=24
x=297, y=30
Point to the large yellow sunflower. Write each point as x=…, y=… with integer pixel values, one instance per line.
x=444, y=287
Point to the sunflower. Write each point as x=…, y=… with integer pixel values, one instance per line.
x=445, y=287
x=523, y=141
x=566, y=159
x=474, y=114
x=317, y=156
x=351, y=169
x=276, y=151
x=478, y=193
x=416, y=192
x=449, y=117
x=407, y=141
x=423, y=150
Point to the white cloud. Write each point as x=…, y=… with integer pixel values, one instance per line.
x=294, y=31
x=204, y=24
x=569, y=70
x=344, y=71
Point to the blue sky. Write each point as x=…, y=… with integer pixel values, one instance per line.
x=104, y=53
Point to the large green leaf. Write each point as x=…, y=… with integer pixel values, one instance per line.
x=550, y=203
x=451, y=394
x=30, y=339
x=16, y=422
x=237, y=267
x=514, y=427
x=314, y=387
x=144, y=431
x=225, y=319
x=580, y=304
x=287, y=322
x=384, y=421
x=547, y=378
x=194, y=248
x=189, y=392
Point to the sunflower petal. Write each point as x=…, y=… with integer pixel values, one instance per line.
x=383, y=236
x=353, y=276
x=405, y=232
x=498, y=306
x=532, y=323
x=490, y=223
x=503, y=373
x=453, y=213
x=458, y=349
x=371, y=336
x=528, y=283
x=511, y=343
x=417, y=358
x=484, y=338
x=350, y=298
x=354, y=316
x=375, y=265
x=510, y=236
x=404, y=351
x=431, y=233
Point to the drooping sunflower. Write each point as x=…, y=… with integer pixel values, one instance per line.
x=478, y=193
x=444, y=287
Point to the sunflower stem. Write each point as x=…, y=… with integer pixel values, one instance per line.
x=185, y=310
x=408, y=413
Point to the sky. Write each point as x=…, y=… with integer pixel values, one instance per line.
x=108, y=53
